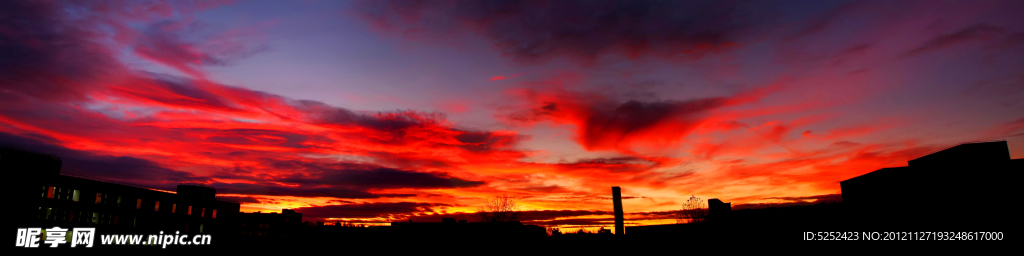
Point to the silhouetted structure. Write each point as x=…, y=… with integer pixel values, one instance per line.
x=44, y=197
x=619, y=219
x=961, y=185
x=718, y=210
x=270, y=225
x=718, y=213
x=766, y=225
x=965, y=187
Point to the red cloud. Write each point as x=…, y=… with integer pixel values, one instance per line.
x=190, y=129
x=604, y=123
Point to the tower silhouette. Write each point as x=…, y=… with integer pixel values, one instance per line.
x=619, y=221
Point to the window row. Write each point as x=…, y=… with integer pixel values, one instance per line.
x=108, y=199
x=61, y=193
x=74, y=216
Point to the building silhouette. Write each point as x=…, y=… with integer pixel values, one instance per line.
x=264, y=226
x=45, y=197
x=965, y=185
x=718, y=210
x=617, y=204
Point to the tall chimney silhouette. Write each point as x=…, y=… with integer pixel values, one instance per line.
x=619, y=221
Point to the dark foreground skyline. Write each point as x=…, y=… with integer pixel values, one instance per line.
x=876, y=207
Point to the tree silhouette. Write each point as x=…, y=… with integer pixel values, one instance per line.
x=695, y=209
x=499, y=209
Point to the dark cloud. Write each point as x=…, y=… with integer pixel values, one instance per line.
x=623, y=160
x=364, y=176
x=662, y=179
x=403, y=127
x=582, y=222
x=394, y=178
x=258, y=137
x=624, y=164
x=823, y=21
x=584, y=30
x=163, y=41
x=46, y=55
x=979, y=31
x=407, y=161
x=368, y=210
x=656, y=215
x=347, y=183
x=850, y=53
x=159, y=42
x=319, y=113
x=546, y=189
x=633, y=116
x=271, y=189
x=605, y=122
x=625, y=197
x=527, y=217
x=829, y=198
x=172, y=91
x=845, y=144
x=241, y=199
x=1019, y=122
x=793, y=201
x=118, y=168
x=484, y=141
x=606, y=125
x=1009, y=42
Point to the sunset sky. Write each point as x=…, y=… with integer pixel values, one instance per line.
x=379, y=111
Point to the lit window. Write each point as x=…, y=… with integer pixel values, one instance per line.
x=74, y=196
x=99, y=198
x=49, y=192
x=156, y=207
x=214, y=215
x=174, y=207
x=202, y=212
x=138, y=204
x=189, y=210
